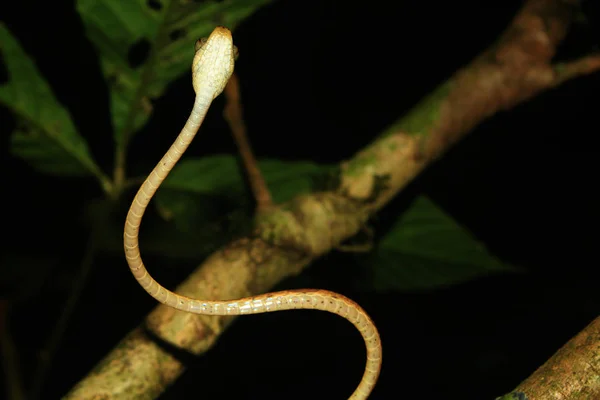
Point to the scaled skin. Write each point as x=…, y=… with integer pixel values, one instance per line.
x=212, y=67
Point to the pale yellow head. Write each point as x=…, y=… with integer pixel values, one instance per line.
x=213, y=63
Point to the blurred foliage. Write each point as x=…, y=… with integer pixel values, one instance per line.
x=426, y=248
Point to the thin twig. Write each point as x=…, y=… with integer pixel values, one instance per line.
x=584, y=66
x=233, y=114
x=10, y=356
x=364, y=247
x=48, y=353
x=133, y=182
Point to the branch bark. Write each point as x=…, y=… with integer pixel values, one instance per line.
x=572, y=373
x=288, y=237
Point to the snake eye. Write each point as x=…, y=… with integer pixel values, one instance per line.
x=200, y=43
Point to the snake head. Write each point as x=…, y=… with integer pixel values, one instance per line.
x=213, y=63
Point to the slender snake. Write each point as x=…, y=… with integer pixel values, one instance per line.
x=211, y=69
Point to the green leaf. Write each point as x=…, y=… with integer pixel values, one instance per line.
x=45, y=136
x=197, y=188
x=426, y=249
x=162, y=33
x=208, y=175
x=163, y=238
x=200, y=191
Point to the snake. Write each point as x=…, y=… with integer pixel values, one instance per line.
x=212, y=66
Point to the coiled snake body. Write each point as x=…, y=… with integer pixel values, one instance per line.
x=211, y=69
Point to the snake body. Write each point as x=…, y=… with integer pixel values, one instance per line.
x=212, y=67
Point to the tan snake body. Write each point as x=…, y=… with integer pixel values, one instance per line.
x=211, y=69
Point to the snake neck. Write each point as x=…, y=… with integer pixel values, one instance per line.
x=156, y=178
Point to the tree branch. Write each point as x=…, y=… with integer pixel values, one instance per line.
x=572, y=373
x=288, y=237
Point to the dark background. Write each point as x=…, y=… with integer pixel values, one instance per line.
x=320, y=80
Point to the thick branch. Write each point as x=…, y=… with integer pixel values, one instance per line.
x=572, y=373
x=289, y=237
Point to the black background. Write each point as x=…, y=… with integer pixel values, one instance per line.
x=320, y=80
